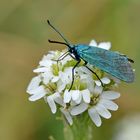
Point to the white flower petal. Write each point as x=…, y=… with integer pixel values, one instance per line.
x=86, y=95
x=111, y=95
x=41, y=69
x=36, y=97
x=98, y=89
x=103, y=111
x=95, y=116
x=105, y=45
x=98, y=83
x=38, y=93
x=33, y=84
x=55, y=79
x=79, y=99
x=90, y=84
x=83, y=70
x=51, y=103
x=66, y=76
x=67, y=115
x=93, y=43
x=83, y=76
x=39, y=89
x=72, y=103
x=46, y=63
x=58, y=99
x=67, y=96
x=105, y=80
x=79, y=109
x=46, y=77
x=60, y=86
x=109, y=104
x=49, y=56
x=75, y=94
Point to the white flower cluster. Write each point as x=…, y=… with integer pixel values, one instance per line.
x=53, y=81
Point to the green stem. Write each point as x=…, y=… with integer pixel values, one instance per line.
x=80, y=130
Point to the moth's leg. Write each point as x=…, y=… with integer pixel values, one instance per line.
x=62, y=57
x=72, y=56
x=94, y=73
x=73, y=74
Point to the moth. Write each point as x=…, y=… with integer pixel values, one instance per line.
x=111, y=62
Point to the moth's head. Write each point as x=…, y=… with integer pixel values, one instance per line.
x=70, y=48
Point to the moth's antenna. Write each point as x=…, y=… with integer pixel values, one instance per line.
x=68, y=44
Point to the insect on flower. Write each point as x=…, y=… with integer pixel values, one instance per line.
x=114, y=63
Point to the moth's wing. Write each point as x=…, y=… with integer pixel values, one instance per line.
x=108, y=61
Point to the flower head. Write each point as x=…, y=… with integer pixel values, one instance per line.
x=54, y=79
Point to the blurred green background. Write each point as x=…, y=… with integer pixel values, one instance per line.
x=23, y=41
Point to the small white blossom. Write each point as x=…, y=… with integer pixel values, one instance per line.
x=105, y=80
x=54, y=79
x=36, y=90
x=102, y=102
x=103, y=45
